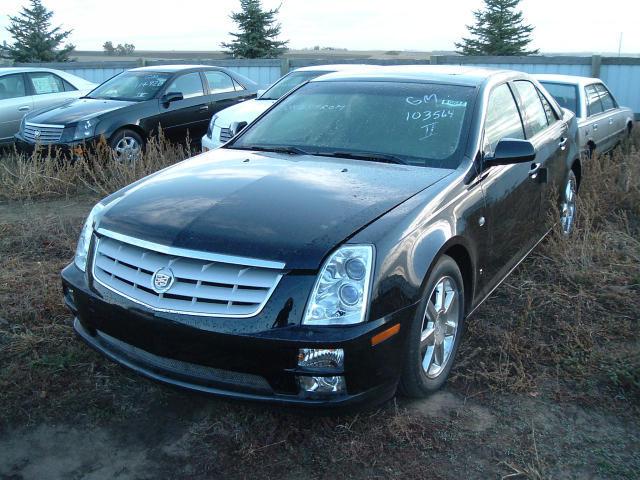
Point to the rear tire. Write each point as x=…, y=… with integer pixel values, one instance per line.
x=435, y=331
x=568, y=206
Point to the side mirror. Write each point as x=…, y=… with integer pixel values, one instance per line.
x=260, y=92
x=169, y=97
x=236, y=127
x=510, y=151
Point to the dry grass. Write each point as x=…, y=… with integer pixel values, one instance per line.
x=567, y=319
x=47, y=174
x=562, y=330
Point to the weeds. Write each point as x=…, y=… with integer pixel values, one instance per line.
x=569, y=310
x=48, y=174
x=563, y=327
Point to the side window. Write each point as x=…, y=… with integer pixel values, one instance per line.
x=188, y=84
x=238, y=87
x=548, y=109
x=503, y=119
x=594, y=106
x=605, y=97
x=68, y=87
x=12, y=86
x=219, y=82
x=45, y=82
x=534, y=114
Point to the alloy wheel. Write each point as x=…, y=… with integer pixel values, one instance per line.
x=568, y=207
x=127, y=149
x=440, y=326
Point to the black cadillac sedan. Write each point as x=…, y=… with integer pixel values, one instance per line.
x=130, y=107
x=330, y=253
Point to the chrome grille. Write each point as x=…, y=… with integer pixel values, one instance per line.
x=225, y=134
x=43, y=134
x=203, y=283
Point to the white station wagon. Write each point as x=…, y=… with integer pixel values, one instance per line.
x=602, y=122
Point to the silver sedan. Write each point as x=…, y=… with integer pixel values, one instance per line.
x=24, y=89
x=602, y=122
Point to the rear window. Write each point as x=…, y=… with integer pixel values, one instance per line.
x=565, y=94
x=289, y=82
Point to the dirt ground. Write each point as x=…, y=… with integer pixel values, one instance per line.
x=546, y=384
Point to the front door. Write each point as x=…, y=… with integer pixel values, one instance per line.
x=513, y=193
x=191, y=114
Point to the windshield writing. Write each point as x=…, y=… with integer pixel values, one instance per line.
x=422, y=124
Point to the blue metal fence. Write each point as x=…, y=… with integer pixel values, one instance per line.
x=622, y=75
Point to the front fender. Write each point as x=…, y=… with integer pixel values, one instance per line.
x=411, y=238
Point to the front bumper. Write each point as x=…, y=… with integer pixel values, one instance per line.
x=237, y=358
x=76, y=149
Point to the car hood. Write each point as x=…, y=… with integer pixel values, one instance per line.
x=76, y=111
x=243, y=112
x=284, y=208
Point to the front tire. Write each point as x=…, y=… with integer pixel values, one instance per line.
x=435, y=332
x=126, y=146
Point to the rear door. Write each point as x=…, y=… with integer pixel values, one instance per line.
x=549, y=136
x=223, y=91
x=614, y=119
x=50, y=90
x=596, y=126
x=15, y=103
x=191, y=114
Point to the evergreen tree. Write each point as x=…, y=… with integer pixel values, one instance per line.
x=498, y=30
x=34, y=39
x=258, y=32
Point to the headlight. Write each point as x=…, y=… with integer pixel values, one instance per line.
x=85, y=129
x=211, y=124
x=82, y=250
x=341, y=292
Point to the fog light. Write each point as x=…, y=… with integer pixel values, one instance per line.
x=332, y=358
x=322, y=384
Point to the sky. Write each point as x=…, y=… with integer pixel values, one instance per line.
x=424, y=25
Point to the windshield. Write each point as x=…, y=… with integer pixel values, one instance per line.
x=288, y=82
x=418, y=124
x=564, y=93
x=132, y=86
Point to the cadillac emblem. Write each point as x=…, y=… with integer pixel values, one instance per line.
x=37, y=134
x=162, y=280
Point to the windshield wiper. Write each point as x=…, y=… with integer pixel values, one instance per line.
x=376, y=157
x=264, y=148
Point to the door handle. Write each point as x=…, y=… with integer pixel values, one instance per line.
x=203, y=108
x=24, y=108
x=538, y=173
x=611, y=121
x=595, y=126
x=563, y=143
x=535, y=168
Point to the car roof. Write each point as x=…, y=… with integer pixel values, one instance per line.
x=571, y=79
x=173, y=68
x=339, y=67
x=455, y=74
x=8, y=70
